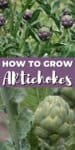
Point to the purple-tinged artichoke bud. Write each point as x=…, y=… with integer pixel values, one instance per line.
x=2, y=20
x=67, y=21
x=27, y=15
x=3, y=4
x=44, y=34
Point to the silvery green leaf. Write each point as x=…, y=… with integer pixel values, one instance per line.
x=20, y=95
x=13, y=94
x=7, y=94
x=25, y=122
x=6, y=146
x=25, y=145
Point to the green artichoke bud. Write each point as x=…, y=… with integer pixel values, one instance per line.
x=53, y=116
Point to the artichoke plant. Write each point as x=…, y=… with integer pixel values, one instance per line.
x=53, y=119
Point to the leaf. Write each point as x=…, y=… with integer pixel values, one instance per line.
x=19, y=95
x=46, y=8
x=28, y=3
x=8, y=47
x=56, y=20
x=3, y=146
x=25, y=122
x=59, y=44
x=13, y=94
x=28, y=49
x=25, y=145
x=40, y=2
x=27, y=33
x=35, y=15
x=12, y=53
x=6, y=146
x=6, y=94
x=56, y=5
x=34, y=35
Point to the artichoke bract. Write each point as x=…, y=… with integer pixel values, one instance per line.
x=69, y=95
x=53, y=117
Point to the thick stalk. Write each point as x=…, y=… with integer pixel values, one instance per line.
x=7, y=97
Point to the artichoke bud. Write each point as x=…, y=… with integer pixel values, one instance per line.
x=3, y=4
x=2, y=20
x=27, y=15
x=53, y=116
x=44, y=34
x=67, y=21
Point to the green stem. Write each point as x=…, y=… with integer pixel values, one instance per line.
x=22, y=40
x=37, y=95
x=11, y=17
